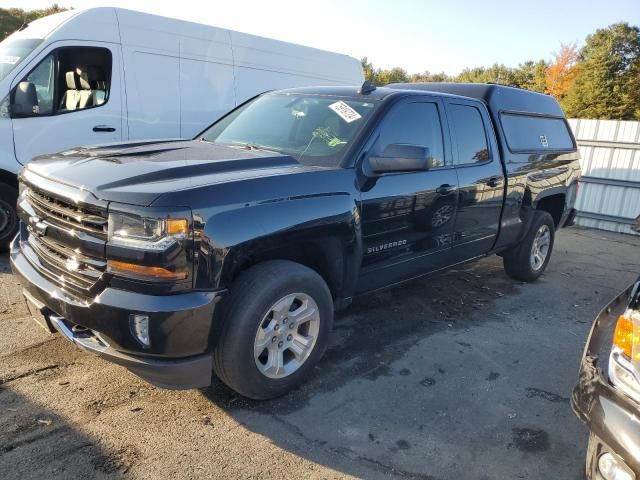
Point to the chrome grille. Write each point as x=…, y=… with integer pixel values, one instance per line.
x=65, y=240
x=67, y=214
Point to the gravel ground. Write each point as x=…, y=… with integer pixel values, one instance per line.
x=465, y=375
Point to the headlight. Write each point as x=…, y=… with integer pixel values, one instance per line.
x=624, y=361
x=146, y=233
x=148, y=249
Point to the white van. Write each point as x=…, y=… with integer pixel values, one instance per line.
x=107, y=74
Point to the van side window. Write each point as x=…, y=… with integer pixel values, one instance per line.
x=471, y=138
x=415, y=124
x=67, y=80
x=42, y=77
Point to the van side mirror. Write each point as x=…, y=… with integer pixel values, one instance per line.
x=399, y=157
x=25, y=100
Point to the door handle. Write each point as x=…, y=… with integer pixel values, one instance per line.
x=103, y=128
x=445, y=189
x=494, y=182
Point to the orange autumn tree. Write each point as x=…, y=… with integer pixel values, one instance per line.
x=562, y=71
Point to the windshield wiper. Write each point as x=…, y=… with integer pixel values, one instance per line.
x=248, y=146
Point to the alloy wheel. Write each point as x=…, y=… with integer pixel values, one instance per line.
x=286, y=335
x=540, y=247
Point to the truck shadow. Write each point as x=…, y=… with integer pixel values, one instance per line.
x=379, y=328
x=376, y=331
x=37, y=443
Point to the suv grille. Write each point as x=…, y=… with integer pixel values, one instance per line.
x=65, y=241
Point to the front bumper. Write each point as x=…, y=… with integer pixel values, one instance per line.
x=612, y=417
x=180, y=327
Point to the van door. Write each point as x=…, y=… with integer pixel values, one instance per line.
x=69, y=96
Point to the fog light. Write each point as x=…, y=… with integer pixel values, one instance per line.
x=140, y=328
x=613, y=469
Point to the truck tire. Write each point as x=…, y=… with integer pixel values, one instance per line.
x=8, y=215
x=276, y=326
x=528, y=261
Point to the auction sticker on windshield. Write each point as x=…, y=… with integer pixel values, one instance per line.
x=10, y=59
x=345, y=112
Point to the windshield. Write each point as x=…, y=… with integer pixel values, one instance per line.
x=13, y=51
x=316, y=130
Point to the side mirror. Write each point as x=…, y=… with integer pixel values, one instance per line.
x=25, y=100
x=399, y=157
x=636, y=226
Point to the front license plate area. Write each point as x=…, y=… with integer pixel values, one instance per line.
x=36, y=310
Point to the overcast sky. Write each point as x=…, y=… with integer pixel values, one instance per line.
x=416, y=35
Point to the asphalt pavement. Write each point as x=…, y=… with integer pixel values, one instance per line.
x=463, y=375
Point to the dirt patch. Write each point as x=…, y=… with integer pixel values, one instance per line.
x=119, y=461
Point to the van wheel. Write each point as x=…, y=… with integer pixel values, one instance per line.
x=276, y=326
x=8, y=216
x=528, y=261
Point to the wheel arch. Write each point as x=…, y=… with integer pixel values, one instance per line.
x=318, y=232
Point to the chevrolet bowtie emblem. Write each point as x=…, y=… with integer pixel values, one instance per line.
x=72, y=265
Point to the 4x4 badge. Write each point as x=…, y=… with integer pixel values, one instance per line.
x=544, y=141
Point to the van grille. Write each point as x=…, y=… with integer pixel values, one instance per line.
x=65, y=241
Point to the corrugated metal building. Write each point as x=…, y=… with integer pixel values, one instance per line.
x=609, y=197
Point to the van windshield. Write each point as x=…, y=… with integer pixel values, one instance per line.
x=12, y=52
x=316, y=130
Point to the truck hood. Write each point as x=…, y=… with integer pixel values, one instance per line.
x=137, y=173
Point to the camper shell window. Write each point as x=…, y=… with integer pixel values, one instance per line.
x=536, y=133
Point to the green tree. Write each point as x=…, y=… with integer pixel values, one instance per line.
x=13, y=19
x=394, y=75
x=430, y=77
x=380, y=77
x=608, y=83
x=369, y=71
x=497, y=73
x=530, y=75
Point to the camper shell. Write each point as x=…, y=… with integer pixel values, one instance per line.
x=503, y=101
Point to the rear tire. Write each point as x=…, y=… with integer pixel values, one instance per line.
x=8, y=215
x=279, y=300
x=529, y=260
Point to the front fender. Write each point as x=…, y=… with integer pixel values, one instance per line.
x=230, y=240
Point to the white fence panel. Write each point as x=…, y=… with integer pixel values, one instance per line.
x=609, y=197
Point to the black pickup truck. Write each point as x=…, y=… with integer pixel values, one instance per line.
x=230, y=252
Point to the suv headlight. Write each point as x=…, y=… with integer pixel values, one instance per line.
x=147, y=248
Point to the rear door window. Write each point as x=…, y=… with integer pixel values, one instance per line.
x=529, y=133
x=470, y=134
